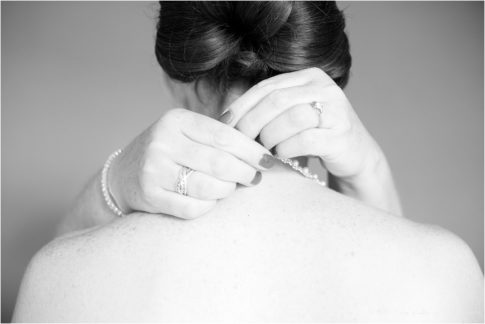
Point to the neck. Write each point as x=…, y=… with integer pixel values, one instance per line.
x=200, y=97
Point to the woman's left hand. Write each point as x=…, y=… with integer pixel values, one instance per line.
x=279, y=110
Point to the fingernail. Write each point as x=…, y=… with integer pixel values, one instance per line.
x=267, y=161
x=226, y=117
x=257, y=178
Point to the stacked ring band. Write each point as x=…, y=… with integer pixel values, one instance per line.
x=181, y=186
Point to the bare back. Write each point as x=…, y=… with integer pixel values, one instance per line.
x=285, y=250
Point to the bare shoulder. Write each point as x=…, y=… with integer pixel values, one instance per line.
x=342, y=261
x=44, y=291
x=92, y=275
x=444, y=281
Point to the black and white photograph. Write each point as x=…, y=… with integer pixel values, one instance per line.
x=242, y=161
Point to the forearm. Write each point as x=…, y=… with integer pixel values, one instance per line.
x=375, y=186
x=88, y=210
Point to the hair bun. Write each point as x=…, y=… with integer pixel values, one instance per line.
x=254, y=20
x=248, y=65
x=227, y=41
x=251, y=25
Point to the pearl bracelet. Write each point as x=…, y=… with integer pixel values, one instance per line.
x=108, y=197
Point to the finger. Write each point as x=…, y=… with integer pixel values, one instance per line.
x=305, y=76
x=210, y=132
x=203, y=186
x=288, y=124
x=175, y=204
x=332, y=115
x=274, y=104
x=313, y=142
x=199, y=184
x=214, y=162
x=250, y=98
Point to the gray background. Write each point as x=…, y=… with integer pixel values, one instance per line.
x=80, y=80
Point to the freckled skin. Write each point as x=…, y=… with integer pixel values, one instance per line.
x=284, y=250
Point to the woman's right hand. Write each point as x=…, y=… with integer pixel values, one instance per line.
x=144, y=176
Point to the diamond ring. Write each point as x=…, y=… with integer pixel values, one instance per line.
x=318, y=106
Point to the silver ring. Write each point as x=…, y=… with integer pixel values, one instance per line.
x=181, y=186
x=318, y=106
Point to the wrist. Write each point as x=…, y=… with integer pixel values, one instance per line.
x=373, y=186
x=374, y=169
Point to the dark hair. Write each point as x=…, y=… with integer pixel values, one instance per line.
x=226, y=41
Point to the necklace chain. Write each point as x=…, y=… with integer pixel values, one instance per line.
x=304, y=171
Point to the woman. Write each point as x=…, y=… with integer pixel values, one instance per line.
x=284, y=249
x=209, y=49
